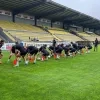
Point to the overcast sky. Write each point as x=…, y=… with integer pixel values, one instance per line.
x=90, y=7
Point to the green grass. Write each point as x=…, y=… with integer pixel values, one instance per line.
x=66, y=79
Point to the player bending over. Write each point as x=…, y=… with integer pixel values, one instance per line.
x=1, y=55
x=19, y=51
x=32, y=52
x=44, y=53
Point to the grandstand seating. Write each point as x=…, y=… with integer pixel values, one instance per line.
x=90, y=37
x=57, y=32
x=64, y=35
x=24, y=36
x=8, y=34
x=56, y=28
x=24, y=31
x=6, y=25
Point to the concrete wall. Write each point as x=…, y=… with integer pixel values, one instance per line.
x=7, y=18
x=22, y=20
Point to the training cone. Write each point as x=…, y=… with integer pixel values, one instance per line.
x=31, y=60
x=55, y=56
x=14, y=62
x=43, y=58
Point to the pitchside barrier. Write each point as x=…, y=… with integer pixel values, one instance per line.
x=8, y=46
x=85, y=42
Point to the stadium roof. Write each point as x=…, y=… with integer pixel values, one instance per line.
x=50, y=10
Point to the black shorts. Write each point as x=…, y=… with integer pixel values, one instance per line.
x=73, y=50
x=34, y=52
x=0, y=51
x=59, y=50
x=45, y=53
x=23, y=53
x=80, y=48
x=90, y=48
x=13, y=51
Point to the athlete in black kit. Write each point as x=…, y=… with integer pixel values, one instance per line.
x=1, y=55
x=32, y=52
x=51, y=48
x=88, y=48
x=58, y=51
x=80, y=48
x=75, y=46
x=44, y=52
x=67, y=50
x=12, y=51
x=19, y=52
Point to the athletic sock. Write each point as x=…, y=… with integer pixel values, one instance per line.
x=0, y=61
x=17, y=64
x=26, y=62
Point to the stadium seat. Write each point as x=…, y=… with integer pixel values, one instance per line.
x=64, y=35
x=7, y=25
x=9, y=35
x=24, y=36
x=90, y=37
x=24, y=31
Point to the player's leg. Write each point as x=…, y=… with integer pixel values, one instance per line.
x=11, y=54
x=1, y=55
x=35, y=56
x=16, y=61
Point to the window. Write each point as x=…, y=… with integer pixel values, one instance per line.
x=32, y=18
x=7, y=13
x=25, y=16
x=0, y=12
x=18, y=15
x=48, y=21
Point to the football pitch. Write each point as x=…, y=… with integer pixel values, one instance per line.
x=75, y=78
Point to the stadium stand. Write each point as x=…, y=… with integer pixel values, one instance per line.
x=17, y=22
x=89, y=37
x=24, y=31
x=24, y=36
x=7, y=25
x=9, y=35
x=64, y=35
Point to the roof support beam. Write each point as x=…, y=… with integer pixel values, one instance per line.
x=83, y=29
x=13, y=17
x=87, y=22
x=32, y=5
x=35, y=20
x=63, y=25
x=77, y=17
x=83, y=20
x=65, y=17
x=51, y=23
x=50, y=13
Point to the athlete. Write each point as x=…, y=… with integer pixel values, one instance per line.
x=1, y=55
x=44, y=53
x=32, y=52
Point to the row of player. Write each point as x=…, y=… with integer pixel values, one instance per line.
x=32, y=53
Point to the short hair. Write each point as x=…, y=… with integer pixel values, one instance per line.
x=16, y=42
x=2, y=41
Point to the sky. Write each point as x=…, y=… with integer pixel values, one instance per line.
x=89, y=7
